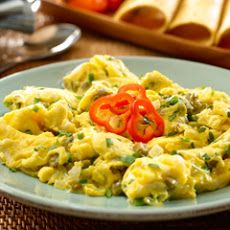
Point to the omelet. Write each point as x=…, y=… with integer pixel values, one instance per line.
x=61, y=145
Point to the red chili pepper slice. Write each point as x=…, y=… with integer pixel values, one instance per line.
x=118, y=123
x=133, y=87
x=128, y=112
x=99, y=110
x=145, y=122
x=121, y=103
x=112, y=112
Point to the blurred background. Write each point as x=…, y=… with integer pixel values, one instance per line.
x=190, y=29
x=12, y=37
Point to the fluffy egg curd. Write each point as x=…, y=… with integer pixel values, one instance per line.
x=49, y=134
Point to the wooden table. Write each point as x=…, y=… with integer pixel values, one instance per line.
x=14, y=215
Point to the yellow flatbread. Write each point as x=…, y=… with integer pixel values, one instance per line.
x=148, y=13
x=223, y=34
x=197, y=20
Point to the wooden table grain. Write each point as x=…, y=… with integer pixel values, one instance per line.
x=14, y=215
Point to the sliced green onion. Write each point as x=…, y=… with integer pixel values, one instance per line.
x=109, y=142
x=129, y=159
x=138, y=202
x=90, y=77
x=201, y=129
x=36, y=100
x=64, y=133
x=80, y=136
x=108, y=193
x=211, y=137
x=83, y=181
x=174, y=152
x=35, y=109
x=154, y=166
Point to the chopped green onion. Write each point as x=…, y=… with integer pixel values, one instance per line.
x=206, y=167
x=201, y=129
x=108, y=193
x=35, y=109
x=83, y=181
x=79, y=97
x=64, y=133
x=154, y=166
x=174, y=152
x=109, y=58
x=206, y=157
x=36, y=100
x=227, y=150
x=129, y=159
x=186, y=139
x=173, y=100
x=13, y=169
x=80, y=136
x=192, y=117
x=28, y=131
x=91, y=123
x=172, y=134
x=172, y=116
x=211, y=137
x=52, y=147
x=90, y=77
x=228, y=113
x=70, y=158
x=109, y=142
x=203, y=87
x=138, y=202
x=7, y=104
x=137, y=155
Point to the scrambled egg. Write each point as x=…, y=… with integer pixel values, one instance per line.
x=48, y=134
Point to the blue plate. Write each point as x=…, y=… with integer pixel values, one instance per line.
x=31, y=191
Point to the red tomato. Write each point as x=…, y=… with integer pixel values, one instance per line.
x=92, y=5
x=113, y=4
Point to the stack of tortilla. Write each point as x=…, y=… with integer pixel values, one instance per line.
x=223, y=34
x=148, y=13
x=204, y=21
